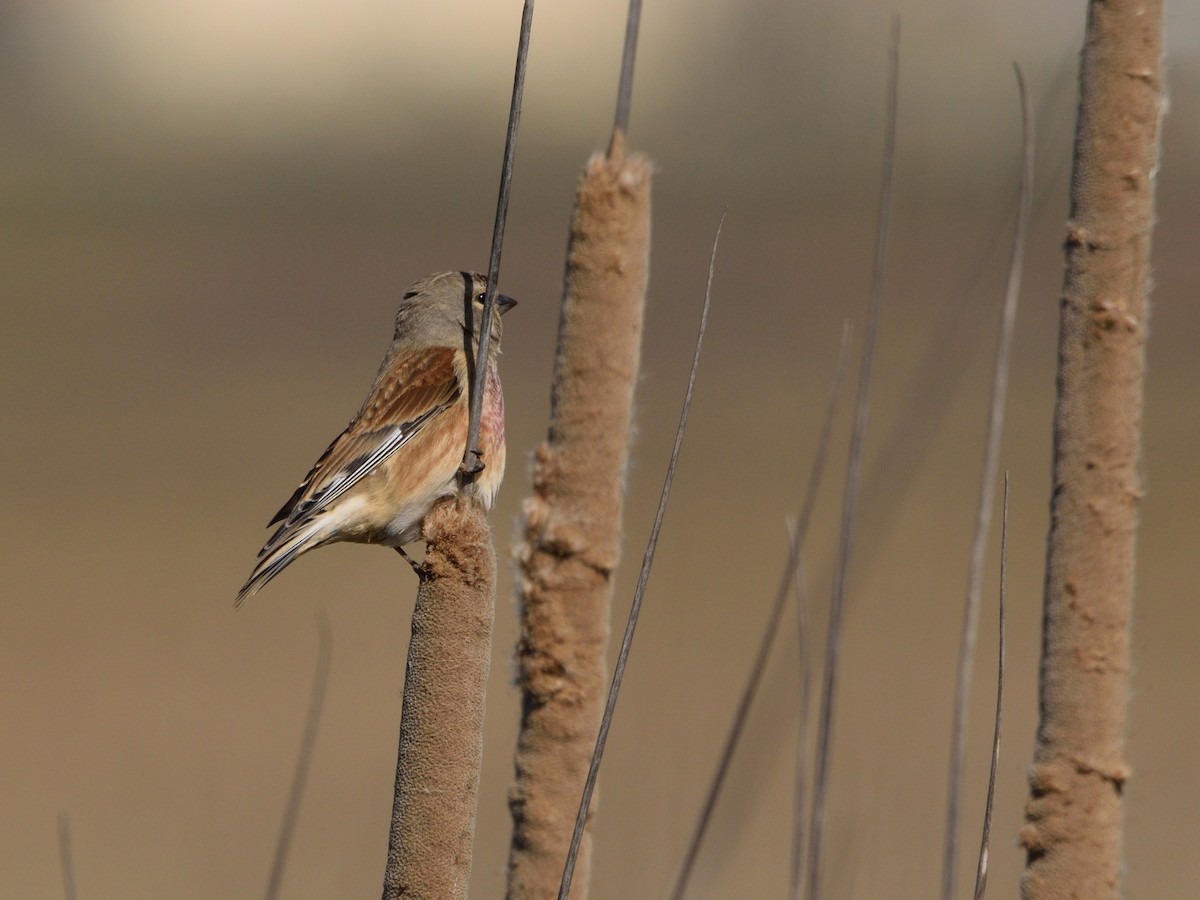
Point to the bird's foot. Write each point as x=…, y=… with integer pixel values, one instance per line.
x=474, y=467
x=417, y=567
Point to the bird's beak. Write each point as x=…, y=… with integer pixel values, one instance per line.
x=505, y=303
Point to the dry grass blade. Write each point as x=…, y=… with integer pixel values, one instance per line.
x=65, y=861
x=981, y=870
x=640, y=591
x=750, y=691
x=308, y=742
x=991, y=464
x=853, y=473
x=804, y=637
x=471, y=463
x=955, y=340
x=800, y=795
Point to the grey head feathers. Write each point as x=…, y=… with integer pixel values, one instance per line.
x=442, y=310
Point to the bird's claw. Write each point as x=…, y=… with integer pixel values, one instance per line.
x=477, y=465
x=417, y=567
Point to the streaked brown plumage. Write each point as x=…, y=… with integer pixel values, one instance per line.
x=402, y=451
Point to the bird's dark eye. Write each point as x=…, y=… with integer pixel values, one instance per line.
x=479, y=297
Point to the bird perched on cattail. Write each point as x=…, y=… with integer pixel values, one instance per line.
x=403, y=450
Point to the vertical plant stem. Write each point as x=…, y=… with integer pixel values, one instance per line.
x=853, y=473
x=573, y=520
x=633, y=21
x=308, y=743
x=472, y=464
x=639, y=594
x=572, y=530
x=445, y=684
x=803, y=736
x=987, y=490
x=981, y=868
x=791, y=573
x=1073, y=819
x=66, y=861
x=441, y=725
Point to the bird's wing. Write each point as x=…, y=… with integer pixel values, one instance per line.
x=405, y=397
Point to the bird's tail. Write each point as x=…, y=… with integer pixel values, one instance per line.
x=279, y=553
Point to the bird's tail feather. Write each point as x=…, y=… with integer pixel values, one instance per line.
x=279, y=553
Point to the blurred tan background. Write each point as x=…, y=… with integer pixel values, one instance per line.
x=206, y=214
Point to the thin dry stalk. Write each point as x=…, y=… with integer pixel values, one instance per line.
x=441, y=723
x=65, y=861
x=308, y=743
x=472, y=464
x=790, y=574
x=639, y=593
x=804, y=640
x=853, y=476
x=1073, y=818
x=983, y=514
x=981, y=869
x=633, y=21
x=803, y=736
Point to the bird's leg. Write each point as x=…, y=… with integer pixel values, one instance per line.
x=416, y=566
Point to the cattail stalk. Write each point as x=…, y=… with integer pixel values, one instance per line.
x=1073, y=818
x=441, y=726
x=572, y=528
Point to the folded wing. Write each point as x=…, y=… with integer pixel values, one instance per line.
x=408, y=394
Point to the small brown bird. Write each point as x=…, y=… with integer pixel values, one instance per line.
x=403, y=451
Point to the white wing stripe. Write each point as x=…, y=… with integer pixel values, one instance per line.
x=401, y=435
